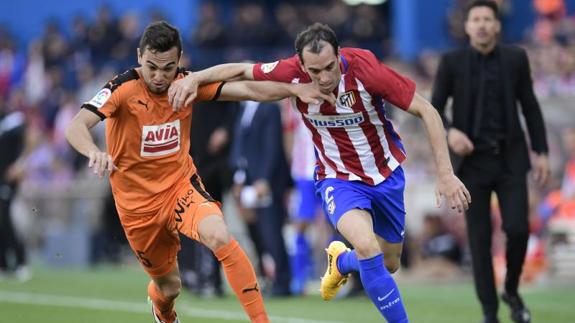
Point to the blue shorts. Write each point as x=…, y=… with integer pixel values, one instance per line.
x=308, y=201
x=384, y=201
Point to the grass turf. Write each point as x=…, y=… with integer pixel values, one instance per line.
x=114, y=294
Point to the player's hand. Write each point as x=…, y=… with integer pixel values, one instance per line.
x=262, y=188
x=310, y=94
x=457, y=195
x=541, y=170
x=101, y=162
x=15, y=172
x=459, y=142
x=218, y=140
x=182, y=92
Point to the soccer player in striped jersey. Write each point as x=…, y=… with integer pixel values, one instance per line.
x=359, y=175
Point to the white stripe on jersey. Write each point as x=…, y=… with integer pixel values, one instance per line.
x=330, y=150
x=360, y=141
x=379, y=125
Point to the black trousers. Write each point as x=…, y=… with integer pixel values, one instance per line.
x=484, y=173
x=10, y=243
x=269, y=222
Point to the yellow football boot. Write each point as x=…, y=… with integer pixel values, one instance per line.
x=332, y=280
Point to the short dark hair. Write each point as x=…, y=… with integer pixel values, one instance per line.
x=160, y=36
x=313, y=35
x=482, y=3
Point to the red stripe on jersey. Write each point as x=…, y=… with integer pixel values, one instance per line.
x=348, y=154
x=327, y=109
x=346, y=150
x=161, y=144
x=397, y=153
x=369, y=129
x=160, y=148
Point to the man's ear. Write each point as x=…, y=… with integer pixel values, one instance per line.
x=139, y=55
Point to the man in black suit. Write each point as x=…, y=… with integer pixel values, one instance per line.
x=488, y=146
x=262, y=173
x=12, y=167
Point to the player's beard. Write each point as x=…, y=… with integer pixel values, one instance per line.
x=157, y=90
x=327, y=90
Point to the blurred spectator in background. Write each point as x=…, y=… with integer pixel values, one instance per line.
x=559, y=204
x=438, y=242
x=103, y=35
x=261, y=177
x=488, y=147
x=568, y=183
x=550, y=9
x=54, y=45
x=122, y=53
x=209, y=32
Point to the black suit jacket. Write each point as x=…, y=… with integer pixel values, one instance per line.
x=261, y=146
x=206, y=118
x=12, y=133
x=453, y=79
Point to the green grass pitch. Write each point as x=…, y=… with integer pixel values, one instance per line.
x=114, y=295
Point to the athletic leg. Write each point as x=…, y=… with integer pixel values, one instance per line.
x=163, y=292
x=357, y=227
x=213, y=233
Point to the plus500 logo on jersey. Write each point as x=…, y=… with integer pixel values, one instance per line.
x=161, y=139
x=336, y=121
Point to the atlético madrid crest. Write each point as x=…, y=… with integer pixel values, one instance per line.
x=347, y=99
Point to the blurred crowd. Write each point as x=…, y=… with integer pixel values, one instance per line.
x=48, y=78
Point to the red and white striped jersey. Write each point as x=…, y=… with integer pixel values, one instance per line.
x=353, y=139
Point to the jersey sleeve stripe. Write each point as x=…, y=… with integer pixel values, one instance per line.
x=218, y=92
x=196, y=184
x=95, y=110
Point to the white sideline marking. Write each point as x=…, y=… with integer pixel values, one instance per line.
x=133, y=307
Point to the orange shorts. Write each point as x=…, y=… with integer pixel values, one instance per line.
x=154, y=235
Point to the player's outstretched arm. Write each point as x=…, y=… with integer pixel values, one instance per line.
x=448, y=184
x=182, y=92
x=78, y=135
x=272, y=91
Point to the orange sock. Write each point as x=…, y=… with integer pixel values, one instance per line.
x=242, y=279
x=164, y=305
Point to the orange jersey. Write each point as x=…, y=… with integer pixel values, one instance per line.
x=148, y=141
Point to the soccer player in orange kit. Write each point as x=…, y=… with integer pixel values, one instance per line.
x=153, y=177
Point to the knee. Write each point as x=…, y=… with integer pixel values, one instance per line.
x=217, y=237
x=392, y=265
x=171, y=289
x=517, y=232
x=366, y=247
